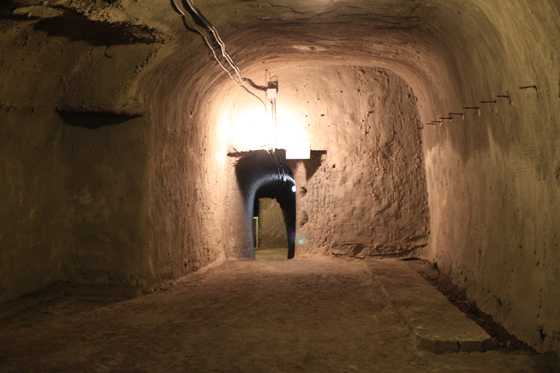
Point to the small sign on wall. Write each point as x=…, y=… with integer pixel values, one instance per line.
x=300, y=150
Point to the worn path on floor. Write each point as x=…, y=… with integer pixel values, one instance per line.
x=303, y=315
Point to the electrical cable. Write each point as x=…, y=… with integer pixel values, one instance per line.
x=222, y=45
x=183, y=15
x=219, y=40
x=275, y=157
x=214, y=32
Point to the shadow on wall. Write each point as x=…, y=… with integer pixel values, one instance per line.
x=312, y=165
x=264, y=175
x=94, y=120
x=76, y=27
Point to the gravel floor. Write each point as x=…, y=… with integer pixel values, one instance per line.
x=302, y=315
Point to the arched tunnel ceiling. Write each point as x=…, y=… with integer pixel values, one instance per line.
x=437, y=46
x=399, y=35
x=411, y=37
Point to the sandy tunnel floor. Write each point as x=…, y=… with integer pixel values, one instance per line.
x=303, y=315
x=271, y=254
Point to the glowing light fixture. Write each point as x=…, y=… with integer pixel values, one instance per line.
x=271, y=93
x=251, y=126
x=298, y=150
x=251, y=129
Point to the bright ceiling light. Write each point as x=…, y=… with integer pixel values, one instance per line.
x=290, y=128
x=298, y=150
x=250, y=128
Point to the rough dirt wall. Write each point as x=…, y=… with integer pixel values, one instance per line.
x=33, y=225
x=109, y=182
x=363, y=193
x=187, y=164
x=73, y=158
x=237, y=235
x=493, y=176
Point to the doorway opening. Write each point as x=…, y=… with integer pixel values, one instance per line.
x=274, y=206
x=265, y=181
x=269, y=228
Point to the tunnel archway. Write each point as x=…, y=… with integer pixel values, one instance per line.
x=261, y=174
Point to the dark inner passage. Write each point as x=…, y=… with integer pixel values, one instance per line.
x=270, y=232
x=264, y=175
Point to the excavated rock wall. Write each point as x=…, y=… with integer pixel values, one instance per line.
x=363, y=193
x=186, y=186
x=73, y=161
x=493, y=176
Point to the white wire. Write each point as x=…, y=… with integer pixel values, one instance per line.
x=183, y=15
x=219, y=40
x=223, y=49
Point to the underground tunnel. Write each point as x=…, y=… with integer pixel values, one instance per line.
x=263, y=175
x=135, y=138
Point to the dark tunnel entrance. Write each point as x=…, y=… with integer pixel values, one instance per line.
x=269, y=228
x=261, y=174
